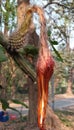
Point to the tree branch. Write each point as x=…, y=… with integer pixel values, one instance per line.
x=50, y=3
x=19, y=59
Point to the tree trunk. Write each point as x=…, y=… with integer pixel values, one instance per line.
x=33, y=39
x=70, y=82
x=32, y=117
x=69, y=88
x=52, y=121
x=22, y=5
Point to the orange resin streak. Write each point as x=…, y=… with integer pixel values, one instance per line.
x=45, y=66
x=44, y=72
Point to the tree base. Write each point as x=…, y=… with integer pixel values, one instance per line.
x=52, y=121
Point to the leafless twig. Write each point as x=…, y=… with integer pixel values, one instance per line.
x=56, y=4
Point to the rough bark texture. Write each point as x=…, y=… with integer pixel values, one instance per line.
x=32, y=117
x=33, y=39
x=20, y=1
x=52, y=121
x=21, y=9
x=22, y=5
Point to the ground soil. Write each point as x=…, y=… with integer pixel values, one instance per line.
x=66, y=117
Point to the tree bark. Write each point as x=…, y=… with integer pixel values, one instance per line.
x=53, y=122
x=32, y=40
x=32, y=116
x=69, y=88
x=21, y=8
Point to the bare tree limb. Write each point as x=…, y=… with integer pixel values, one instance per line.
x=50, y=3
